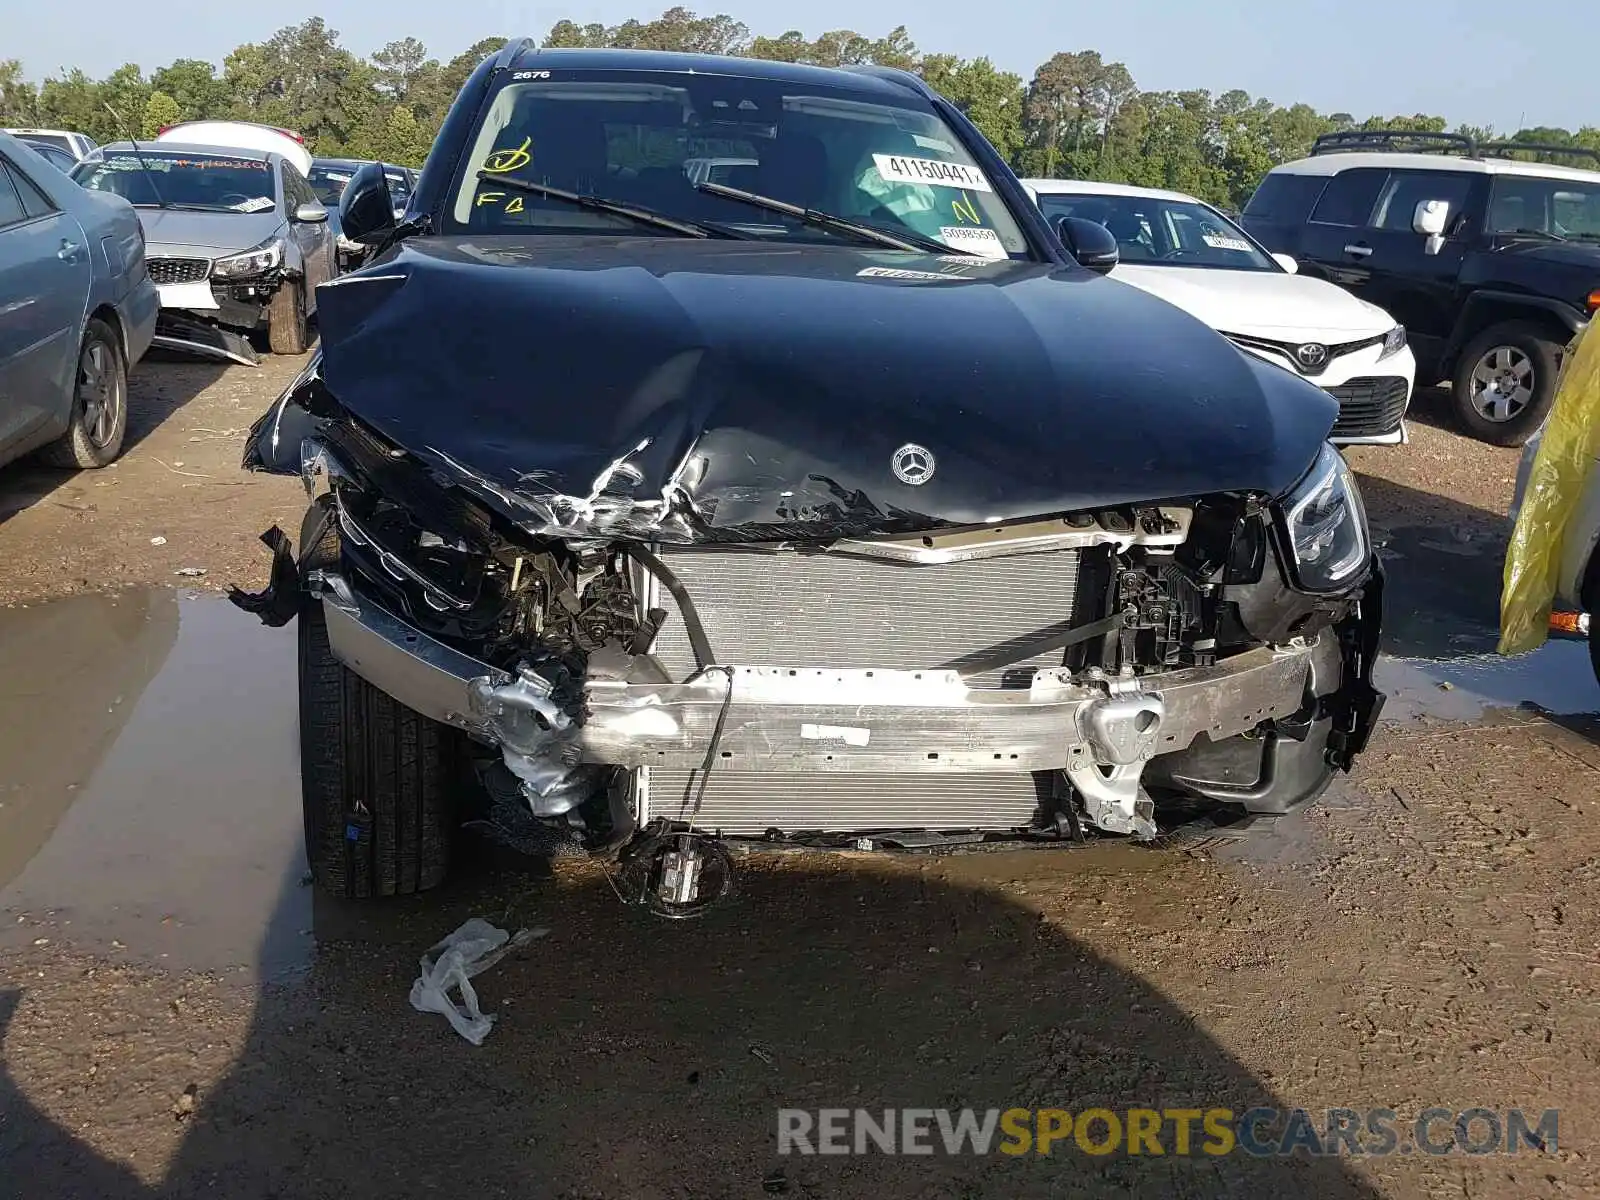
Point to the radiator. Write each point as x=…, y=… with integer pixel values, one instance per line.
x=784, y=608
x=748, y=803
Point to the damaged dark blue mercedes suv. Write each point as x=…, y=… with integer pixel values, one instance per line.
x=727, y=451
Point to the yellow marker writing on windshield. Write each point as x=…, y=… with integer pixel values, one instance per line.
x=488, y=198
x=965, y=210
x=502, y=161
x=514, y=205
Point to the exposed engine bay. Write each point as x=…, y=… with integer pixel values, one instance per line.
x=1112, y=671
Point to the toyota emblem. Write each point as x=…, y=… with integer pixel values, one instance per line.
x=913, y=464
x=1313, y=356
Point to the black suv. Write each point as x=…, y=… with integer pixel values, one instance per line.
x=828, y=502
x=1492, y=263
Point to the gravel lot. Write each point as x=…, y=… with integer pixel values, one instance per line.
x=180, y=1016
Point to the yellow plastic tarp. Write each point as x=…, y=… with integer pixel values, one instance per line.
x=1561, y=467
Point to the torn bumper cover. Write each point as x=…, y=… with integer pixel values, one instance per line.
x=1102, y=732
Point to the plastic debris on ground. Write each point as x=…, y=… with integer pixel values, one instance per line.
x=1567, y=451
x=470, y=950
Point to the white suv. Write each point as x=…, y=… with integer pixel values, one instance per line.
x=1186, y=252
x=75, y=144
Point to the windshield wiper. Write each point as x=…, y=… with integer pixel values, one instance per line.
x=906, y=240
x=600, y=204
x=1539, y=233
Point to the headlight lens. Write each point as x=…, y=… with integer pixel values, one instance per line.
x=252, y=262
x=1326, y=525
x=1394, y=342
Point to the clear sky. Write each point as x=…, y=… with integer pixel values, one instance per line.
x=1468, y=60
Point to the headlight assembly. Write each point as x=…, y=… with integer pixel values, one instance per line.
x=1393, y=342
x=1325, y=526
x=257, y=261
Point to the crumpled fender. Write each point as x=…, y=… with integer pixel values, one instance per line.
x=1567, y=452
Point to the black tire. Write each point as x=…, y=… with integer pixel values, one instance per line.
x=378, y=781
x=286, y=319
x=99, y=420
x=1519, y=352
x=1594, y=644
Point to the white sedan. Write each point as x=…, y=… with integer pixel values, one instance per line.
x=1189, y=254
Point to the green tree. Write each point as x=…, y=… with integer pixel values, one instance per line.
x=402, y=140
x=160, y=111
x=122, y=96
x=991, y=99
x=195, y=88
x=73, y=102
x=399, y=64
x=19, y=99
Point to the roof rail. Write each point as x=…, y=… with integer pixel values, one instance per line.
x=1423, y=141
x=1506, y=149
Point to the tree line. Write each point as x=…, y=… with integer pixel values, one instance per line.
x=1078, y=116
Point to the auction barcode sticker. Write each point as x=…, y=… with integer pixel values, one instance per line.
x=985, y=242
x=897, y=168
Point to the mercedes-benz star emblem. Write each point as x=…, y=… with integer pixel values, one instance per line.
x=1313, y=356
x=913, y=464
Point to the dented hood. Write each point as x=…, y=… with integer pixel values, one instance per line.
x=581, y=382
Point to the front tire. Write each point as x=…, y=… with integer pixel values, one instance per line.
x=286, y=319
x=378, y=781
x=99, y=419
x=1505, y=382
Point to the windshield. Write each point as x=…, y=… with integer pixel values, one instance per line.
x=1561, y=207
x=646, y=138
x=217, y=182
x=1175, y=233
x=328, y=181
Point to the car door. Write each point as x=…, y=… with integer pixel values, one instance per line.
x=45, y=276
x=1413, y=280
x=1338, y=221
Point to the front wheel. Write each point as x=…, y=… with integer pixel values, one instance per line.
x=378, y=781
x=99, y=419
x=286, y=319
x=1505, y=382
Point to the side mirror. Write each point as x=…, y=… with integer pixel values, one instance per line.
x=311, y=214
x=1033, y=193
x=366, y=209
x=1089, y=242
x=1430, y=217
x=1287, y=262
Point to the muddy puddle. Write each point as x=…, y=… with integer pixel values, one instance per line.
x=149, y=784
x=1441, y=626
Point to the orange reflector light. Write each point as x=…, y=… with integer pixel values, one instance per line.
x=1569, y=622
x=1594, y=300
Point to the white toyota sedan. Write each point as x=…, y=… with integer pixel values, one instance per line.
x=1191, y=255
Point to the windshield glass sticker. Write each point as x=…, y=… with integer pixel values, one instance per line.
x=255, y=204
x=965, y=210
x=1218, y=241
x=502, y=161
x=933, y=143
x=901, y=273
x=983, y=242
x=897, y=168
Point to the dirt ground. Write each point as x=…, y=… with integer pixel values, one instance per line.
x=181, y=1016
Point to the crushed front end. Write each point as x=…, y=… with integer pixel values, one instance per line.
x=625, y=670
